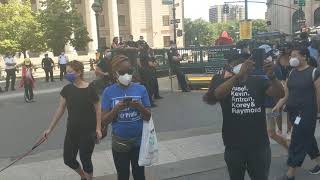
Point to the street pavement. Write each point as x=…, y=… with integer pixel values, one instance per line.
x=178, y=115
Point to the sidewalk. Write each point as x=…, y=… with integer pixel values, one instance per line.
x=195, y=158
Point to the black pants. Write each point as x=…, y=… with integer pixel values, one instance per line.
x=63, y=71
x=181, y=79
x=303, y=141
x=28, y=91
x=11, y=74
x=147, y=80
x=122, y=162
x=49, y=72
x=85, y=145
x=254, y=160
x=155, y=86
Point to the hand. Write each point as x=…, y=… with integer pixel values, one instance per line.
x=268, y=69
x=99, y=134
x=46, y=133
x=135, y=104
x=120, y=106
x=277, y=109
x=246, y=68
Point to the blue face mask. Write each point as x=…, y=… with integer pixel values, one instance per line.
x=71, y=77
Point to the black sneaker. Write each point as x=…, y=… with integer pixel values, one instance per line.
x=315, y=170
x=158, y=97
x=285, y=177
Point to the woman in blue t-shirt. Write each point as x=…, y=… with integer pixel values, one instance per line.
x=126, y=106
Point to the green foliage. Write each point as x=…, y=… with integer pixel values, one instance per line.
x=206, y=33
x=60, y=20
x=19, y=28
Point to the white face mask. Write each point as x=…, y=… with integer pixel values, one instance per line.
x=109, y=55
x=237, y=69
x=294, y=62
x=125, y=79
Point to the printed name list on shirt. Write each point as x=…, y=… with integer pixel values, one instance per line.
x=242, y=101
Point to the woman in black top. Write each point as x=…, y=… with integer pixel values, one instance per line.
x=302, y=101
x=84, y=120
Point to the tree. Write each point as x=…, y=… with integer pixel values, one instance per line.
x=198, y=32
x=63, y=24
x=19, y=28
x=259, y=25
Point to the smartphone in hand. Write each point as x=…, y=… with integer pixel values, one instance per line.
x=127, y=100
x=258, y=56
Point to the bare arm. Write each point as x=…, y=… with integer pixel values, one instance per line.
x=57, y=116
x=275, y=89
x=224, y=89
x=283, y=100
x=97, y=107
x=110, y=115
x=145, y=112
x=99, y=72
x=317, y=86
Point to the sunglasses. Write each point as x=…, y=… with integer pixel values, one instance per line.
x=129, y=71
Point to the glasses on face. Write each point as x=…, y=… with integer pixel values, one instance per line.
x=129, y=71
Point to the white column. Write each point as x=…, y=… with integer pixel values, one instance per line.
x=91, y=26
x=113, y=18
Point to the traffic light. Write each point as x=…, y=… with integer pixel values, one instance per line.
x=226, y=9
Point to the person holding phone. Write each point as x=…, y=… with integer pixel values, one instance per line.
x=125, y=105
x=244, y=132
x=84, y=120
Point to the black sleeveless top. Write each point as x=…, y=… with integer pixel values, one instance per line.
x=301, y=88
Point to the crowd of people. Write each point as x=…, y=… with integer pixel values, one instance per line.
x=256, y=87
x=253, y=103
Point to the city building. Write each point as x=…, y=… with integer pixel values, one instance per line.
x=216, y=14
x=285, y=16
x=121, y=18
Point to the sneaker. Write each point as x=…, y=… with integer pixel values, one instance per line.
x=285, y=177
x=315, y=170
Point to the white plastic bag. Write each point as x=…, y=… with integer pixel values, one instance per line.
x=149, y=152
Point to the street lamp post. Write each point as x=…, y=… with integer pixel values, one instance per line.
x=97, y=8
x=174, y=22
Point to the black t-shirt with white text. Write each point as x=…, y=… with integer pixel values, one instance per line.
x=244, y=119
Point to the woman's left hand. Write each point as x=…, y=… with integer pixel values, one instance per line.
x=99, y=134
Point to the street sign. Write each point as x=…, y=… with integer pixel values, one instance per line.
x=245, y=29
x=177, y=21
x=167, y=2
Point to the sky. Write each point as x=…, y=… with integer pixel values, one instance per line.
x=195, y=9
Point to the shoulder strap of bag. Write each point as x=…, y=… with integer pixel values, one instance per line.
x=314, y=74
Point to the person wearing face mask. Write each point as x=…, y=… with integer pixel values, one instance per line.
x=272, y=119
x=27, y=80
x=302, y=99
x=244, y=132
x=125, y=105
x=84, y=120
x=174, y=61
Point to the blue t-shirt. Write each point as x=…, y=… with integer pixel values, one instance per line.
x=129, y=122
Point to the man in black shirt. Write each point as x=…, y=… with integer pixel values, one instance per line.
x=47, y=65
x=244, y=130
x=174, y=61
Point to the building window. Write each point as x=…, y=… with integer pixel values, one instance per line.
x=103, y=42
x=77, y=1
x=122, y=20
x=166, y=41
x=120, y=1
x=166, y=20
x=101, y=21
